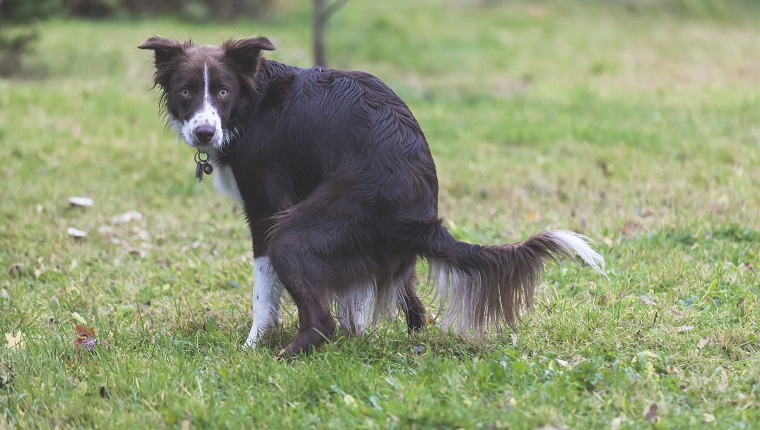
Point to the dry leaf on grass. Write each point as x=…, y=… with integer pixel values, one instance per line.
x=16, y=269
x=85, y=337
x=126, y=217
x=76, y=233
x=14, y=340
x=702, y=342
x=185, y=425
x=75, y=201
x=650, y=414
x=632, y=228
x=6, y=377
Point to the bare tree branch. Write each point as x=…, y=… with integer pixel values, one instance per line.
x=322, y=13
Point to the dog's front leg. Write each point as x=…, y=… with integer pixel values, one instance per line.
x=267, y=291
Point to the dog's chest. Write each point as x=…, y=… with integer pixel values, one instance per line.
x=225, y=182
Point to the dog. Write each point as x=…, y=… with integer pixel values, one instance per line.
x=340, y=193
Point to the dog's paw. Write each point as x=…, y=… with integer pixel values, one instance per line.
x=249, y=345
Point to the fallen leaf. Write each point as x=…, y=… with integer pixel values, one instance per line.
x=4, y=294
x=104, y=393
x=645, y=299
x=16, y=269
x=186, y=421
x=126, y=217
x=80, y=201
x=76, y=233
x=702, y=342
x=106, y=230
x=708, y=417
x=685, y=328
x=349, y=400
x=533, y=217
x=140, y=233
x=136, y=252
x=6, y=375
x=631, y=228
x=616, y=423
x=650, y=414
x=14, y=341
x=85, y=337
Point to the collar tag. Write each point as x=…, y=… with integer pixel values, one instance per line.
x=202, y=165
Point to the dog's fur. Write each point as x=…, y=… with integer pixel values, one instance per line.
x=340, y=193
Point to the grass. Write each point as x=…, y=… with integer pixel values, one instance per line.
x=636, y=126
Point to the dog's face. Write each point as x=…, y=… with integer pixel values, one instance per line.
x=202, y=86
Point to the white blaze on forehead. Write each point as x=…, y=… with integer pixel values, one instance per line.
x=207, y=115
x=206, y=96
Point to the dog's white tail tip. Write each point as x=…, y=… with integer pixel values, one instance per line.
x=576, y=243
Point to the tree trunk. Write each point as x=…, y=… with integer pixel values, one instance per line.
x=319, y=33
x=322, y=14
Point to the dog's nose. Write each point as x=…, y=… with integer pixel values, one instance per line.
x=204, y=133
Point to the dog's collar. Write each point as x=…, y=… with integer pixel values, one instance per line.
x=202, y=165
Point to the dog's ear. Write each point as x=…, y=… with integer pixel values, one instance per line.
x=166, y=51
x=245, y=52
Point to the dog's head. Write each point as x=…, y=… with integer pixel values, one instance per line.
x=202, y=86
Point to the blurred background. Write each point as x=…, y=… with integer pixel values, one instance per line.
x=612, y=118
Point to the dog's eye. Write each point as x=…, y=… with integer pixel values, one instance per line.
x=224, y=92
x=184, y=92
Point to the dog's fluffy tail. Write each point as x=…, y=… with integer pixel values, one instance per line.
x=488, y=285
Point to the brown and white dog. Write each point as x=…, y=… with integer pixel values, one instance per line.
x=340, y=194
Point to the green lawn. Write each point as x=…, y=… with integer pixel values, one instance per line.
x=637, y=126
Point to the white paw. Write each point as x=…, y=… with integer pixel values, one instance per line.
x=250, y=344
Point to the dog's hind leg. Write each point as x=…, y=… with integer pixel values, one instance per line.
x=303, y=256
x=267, y=292
x=411, y=304
x=322, y=248
x=303, y=276
x=315, y=322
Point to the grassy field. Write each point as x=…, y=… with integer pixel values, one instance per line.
x=638, y=127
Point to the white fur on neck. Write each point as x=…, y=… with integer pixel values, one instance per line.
x=224, y=180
